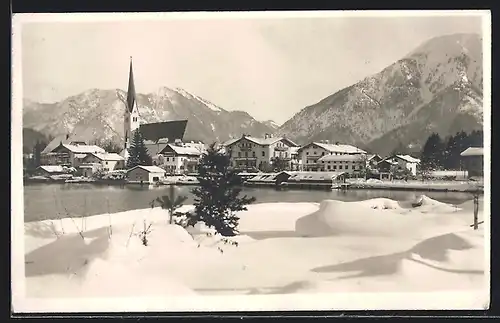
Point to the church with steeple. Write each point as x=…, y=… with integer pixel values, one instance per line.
x=153, y=133
x=131, y=121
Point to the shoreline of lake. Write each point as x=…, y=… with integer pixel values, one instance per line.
x=430, y=186
x=55, y=200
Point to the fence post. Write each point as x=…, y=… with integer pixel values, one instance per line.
x=476, y=210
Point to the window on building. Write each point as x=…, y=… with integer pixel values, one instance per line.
x=253, y=154
x=323, y=153
x=263, y=153
x=307, y=153
x=340, y=166
x=239, y=153
x=328, y=167
x=246, y=153
x=334, y=166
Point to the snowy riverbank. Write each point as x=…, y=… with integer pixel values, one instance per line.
x=377, y=245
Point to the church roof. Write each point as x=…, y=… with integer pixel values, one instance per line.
x=160, y=130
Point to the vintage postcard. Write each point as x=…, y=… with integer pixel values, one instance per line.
x=251, y=161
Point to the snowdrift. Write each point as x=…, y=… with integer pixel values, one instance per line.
x=449, y=261
x=381, y=217
x=377, y=245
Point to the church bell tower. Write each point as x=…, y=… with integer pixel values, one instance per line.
x=131, y=114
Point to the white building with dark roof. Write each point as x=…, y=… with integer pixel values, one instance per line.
x=248, y=152
x=180, y=158
x=312, y=152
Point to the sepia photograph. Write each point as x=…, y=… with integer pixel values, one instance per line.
x=251, y=161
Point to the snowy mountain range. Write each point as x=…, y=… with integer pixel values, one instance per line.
x=435, y=88
x=97, y=115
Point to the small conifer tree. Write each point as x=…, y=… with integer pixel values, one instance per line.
x=138, y=152
x=217, y=196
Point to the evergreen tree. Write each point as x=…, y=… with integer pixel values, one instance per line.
x=217, y=196
x=138, y=153
x=475, y=139
x=432, y=153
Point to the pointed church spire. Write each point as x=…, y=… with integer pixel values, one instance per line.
x=131, y=89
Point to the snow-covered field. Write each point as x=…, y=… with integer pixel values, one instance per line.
x=377, y=245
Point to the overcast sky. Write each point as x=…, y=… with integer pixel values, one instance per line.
x=271, y=68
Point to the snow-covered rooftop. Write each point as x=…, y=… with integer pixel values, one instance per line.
x=299, y=176
x=150, y=169
x=337, y=148
x=408, y=158
x=52, y=168
x=84, y=149
x=472, y=151
x=260, y=141
x=185, y=150
x=371, y=156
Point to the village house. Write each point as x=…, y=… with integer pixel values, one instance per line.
x=343, y=163
x=145, y=174
x=180, y=158
x=249, y=152
x=385, y=168
x=312, y=152
x=372, y=160
x=473, y=161
x=108, y=161
x=407, y=162
x=69, y=154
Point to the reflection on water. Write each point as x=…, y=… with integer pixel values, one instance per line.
x=46, y=201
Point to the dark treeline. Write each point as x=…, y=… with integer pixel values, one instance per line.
x=444, y=153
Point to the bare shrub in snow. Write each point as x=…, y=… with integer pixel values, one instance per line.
x=170, y=202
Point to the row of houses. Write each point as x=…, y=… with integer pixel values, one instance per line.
x=177, y=157
x=247, y=153
x=251, y=153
